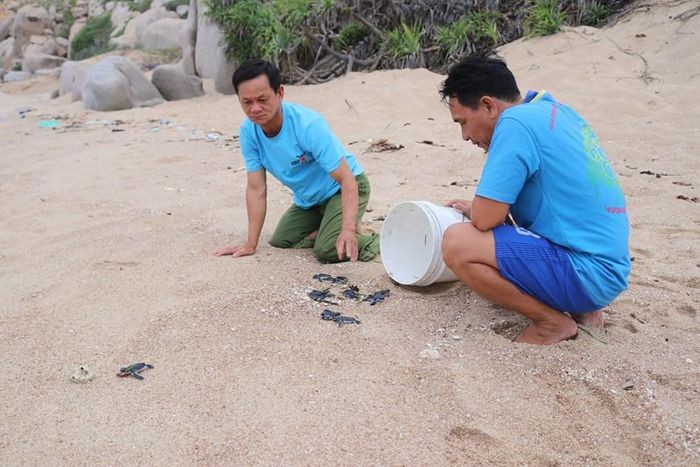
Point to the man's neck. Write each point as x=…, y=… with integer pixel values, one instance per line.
x=274, y=126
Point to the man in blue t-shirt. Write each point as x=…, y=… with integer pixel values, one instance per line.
x=566, y=254
x=295, y=144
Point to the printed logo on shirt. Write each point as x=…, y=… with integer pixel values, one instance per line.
x=302, y=159
x=599, y=171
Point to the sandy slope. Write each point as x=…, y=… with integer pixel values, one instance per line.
x=105, y=258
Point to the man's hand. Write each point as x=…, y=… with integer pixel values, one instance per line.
x=461, y=205
x=236, y=251
x=346, y=245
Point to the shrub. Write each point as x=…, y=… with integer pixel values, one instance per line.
x=595, y=14
x=93, y=39
x=403, y=44
x=544, y=18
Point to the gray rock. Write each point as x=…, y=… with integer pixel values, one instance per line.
x=42, y=44
x=188, y=39
x=121, y=14
x=72, y=78
x=62, y=46
x=224, y=74
x=37, y=61
x=80, y=10
x=182, y=11
x=30, y=21
x=163, y=34
x=115, y=83
x=6, y=26
x=7, y=53
x=77, y=26
x=12, y=76
x=429, y=354
x=3, y=72
x=135, y=28
x=207, y=52
x=95, y=7
x=174, y=84
x=48, y=72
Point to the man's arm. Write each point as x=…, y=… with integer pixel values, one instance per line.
x=346, y=244
x=256, y=205
x=487, y=214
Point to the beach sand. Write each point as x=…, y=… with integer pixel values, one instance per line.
x=109, y=222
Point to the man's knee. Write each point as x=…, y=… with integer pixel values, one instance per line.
x=280, y=242
x=456, y=244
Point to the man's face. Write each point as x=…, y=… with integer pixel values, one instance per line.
x=259, y=101
x=477, y=125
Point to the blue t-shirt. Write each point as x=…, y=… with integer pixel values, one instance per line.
x=300, y=156
x=546, y=162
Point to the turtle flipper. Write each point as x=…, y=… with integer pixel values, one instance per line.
x=136, y=375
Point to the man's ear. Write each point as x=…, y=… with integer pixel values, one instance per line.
x=280, y=92
x=490, y=105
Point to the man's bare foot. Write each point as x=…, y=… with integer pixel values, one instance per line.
x=549, y=332
x=592, y=320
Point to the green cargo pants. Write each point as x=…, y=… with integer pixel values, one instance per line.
x=297, y=223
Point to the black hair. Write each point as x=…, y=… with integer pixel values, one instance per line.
x=478, y=76
x=252, y=69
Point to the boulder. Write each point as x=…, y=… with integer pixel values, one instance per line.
x=223, y=81
x=95, y=7
x=115, y=83
x=77, y=26
x=208, y=49
x=174, y=84
x=12, y=76
x=121, y=14
x=3, y=72
x=29, y=21
x=7, y=53
x=188, y=39
x=163, y=34
x=42, y=44
x=135, y=28
x=62, y=46
x=80, y=10
x=72, y=78
x=37, y=61
x=6, y=26
x=182, y=11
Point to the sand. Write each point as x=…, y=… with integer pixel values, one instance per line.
x=109, y=222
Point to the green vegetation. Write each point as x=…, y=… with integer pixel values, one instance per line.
x=403, y=45
x=17, y=66
x=139, y=5
x=93, y=39
x=173, y=4
x=595, y=14
x=313, y=41
x=544, y=18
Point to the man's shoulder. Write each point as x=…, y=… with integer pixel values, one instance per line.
x=299, y=112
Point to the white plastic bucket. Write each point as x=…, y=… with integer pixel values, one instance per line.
x=411, y=242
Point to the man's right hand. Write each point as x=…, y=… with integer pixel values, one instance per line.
x=461, y=205
x=236, y=251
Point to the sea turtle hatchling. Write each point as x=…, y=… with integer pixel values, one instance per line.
x=133, y=370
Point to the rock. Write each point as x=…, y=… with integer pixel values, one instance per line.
x=174, y=84
x=3, y=72
x=7, y=53
x=223, y=82
x=80, y=10
x=135, y=28
x=182, y=11
x=47, y=72
x=121, y=14
x=115, y=83
x=30, y=21
x=42, y=44
x=158, y=3
x=431, y=354
x=6, y=26
x=36, y=61
x=188, y=39
x=95, y=7
x=72, y=78
x=12, y=76
x=163, y=34
x=207, y=52
x=77, y=26
x=62, y=46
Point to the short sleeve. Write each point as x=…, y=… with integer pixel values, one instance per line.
x=325, y=147
x=249, y=149
x=513, y=158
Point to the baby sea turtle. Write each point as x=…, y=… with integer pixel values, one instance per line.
x=133, y=370
x=377, y=297
x=352, y=292
x=322, y=296
x=321, y=277
x=330, y=315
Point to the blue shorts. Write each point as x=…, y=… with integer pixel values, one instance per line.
x=541, y=269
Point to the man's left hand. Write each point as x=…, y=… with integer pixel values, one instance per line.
x=346, y=245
